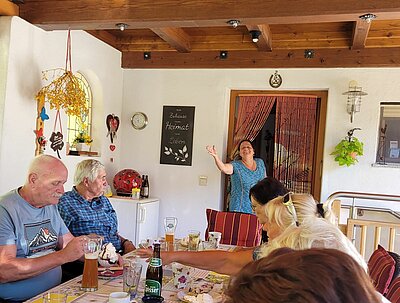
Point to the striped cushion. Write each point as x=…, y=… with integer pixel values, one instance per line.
x=393, y=294
x=381, y=268
x=237, y=228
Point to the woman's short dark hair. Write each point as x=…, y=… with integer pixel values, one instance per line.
x=245, y=140
x=312, y=276
x=267, y=189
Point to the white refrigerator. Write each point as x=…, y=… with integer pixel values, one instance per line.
x=137, y=219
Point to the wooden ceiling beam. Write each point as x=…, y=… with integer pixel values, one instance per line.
x=7, y=8
x=105, y=37
x=104, y=14
x=324, y=58
x=175, y=37
x=360, y=34
x=264, y=42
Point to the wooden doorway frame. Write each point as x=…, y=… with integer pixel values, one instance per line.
x=320, y=130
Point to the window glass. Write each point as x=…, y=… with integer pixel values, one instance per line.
x=77, y=125
x=389, y=133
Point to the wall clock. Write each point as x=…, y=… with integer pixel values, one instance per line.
x=139, y=120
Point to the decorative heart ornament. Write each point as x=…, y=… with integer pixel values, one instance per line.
x=112, y=147
x=112, y=123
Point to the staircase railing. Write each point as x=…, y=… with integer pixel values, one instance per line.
x=363, y=196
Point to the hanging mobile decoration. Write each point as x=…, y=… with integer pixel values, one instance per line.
x=64, y=92
x=41, y=117
x=112, y=122
x=56, y=138
x=275, y=80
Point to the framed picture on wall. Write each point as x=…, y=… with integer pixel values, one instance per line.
x=177, y=135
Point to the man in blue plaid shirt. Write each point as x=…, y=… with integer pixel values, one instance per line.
x=85, y=210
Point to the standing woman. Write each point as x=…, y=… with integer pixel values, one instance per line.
x=245, y=173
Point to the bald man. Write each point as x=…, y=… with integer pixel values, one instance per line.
x=34, y=241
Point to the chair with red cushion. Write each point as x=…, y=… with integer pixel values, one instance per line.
x=237, y=228
x=381, y=267
x=393, y=294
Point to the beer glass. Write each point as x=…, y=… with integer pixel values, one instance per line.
x=131, y=277
x=92, y=247
x=170, y=226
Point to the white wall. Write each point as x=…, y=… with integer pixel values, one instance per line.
x=208, y=91
x=29, y=51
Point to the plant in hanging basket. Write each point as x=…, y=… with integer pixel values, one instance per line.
x=348, y=149
x=65, y=92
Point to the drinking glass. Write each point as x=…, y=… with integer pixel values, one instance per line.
x=170, y=226
x=194, y=239
x=92, y=247
x=131, y=277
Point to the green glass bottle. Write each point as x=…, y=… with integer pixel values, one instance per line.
x=154, y=274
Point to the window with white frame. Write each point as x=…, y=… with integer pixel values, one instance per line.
x=389, y=134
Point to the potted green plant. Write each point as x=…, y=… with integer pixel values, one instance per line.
x=82, y=141
x=348, y=149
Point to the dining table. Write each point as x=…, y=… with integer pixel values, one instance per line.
x=107, y=285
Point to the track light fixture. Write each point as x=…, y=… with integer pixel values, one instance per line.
x=368, y=17
x=122, y=26
x=255, y=34
x=147, y=55
x=234, y=23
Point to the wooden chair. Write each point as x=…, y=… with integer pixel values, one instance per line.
x=237, y=228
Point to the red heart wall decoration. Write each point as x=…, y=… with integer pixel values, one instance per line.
x=112, y=147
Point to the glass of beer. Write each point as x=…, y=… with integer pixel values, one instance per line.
x=92, y=247
x=170, y=226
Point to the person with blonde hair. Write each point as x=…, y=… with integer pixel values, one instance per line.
x=303, y=276
x=296, y=221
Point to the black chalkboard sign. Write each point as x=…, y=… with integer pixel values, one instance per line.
x=177, y=135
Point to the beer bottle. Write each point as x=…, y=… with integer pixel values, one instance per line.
x=154, y=274
x=144, y=193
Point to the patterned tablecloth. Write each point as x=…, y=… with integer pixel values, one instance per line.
x=169, y=292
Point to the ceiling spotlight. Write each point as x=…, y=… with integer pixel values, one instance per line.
x=121, y=26
x=367, y=17
x=147, y=55
x=255, y=34
x=223, y=55
x=234, y=23
x=309, y=53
